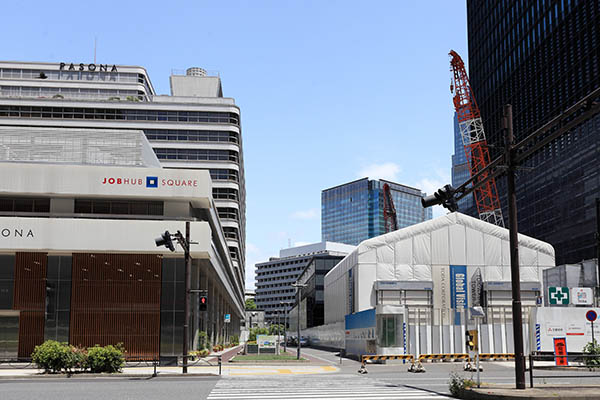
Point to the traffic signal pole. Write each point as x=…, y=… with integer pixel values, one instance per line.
x=514, y=249
x=188, y=283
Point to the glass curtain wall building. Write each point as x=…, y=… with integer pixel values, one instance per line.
x=542, y=57
x=353, y=212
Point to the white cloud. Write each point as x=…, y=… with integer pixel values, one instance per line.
x=305, y=214
x=388, y=171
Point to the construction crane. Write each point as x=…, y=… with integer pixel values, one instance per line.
x=389, y=211
x=475, y=145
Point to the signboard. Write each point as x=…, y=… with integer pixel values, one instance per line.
x=266, y=341
x=458, y=290
x=568, y=322
x=560, y=349
x=227, y=318
x=583, y=296
x=558, y=295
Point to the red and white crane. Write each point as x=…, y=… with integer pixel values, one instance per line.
x=475, y=145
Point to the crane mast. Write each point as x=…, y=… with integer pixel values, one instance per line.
x=474, y=142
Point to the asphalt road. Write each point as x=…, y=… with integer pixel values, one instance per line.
x=390, y=380
x=175, y=388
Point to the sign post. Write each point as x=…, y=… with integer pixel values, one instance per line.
x=591, y=316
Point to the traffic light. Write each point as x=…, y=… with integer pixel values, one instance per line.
x=203, y=303
x=165, y=240
x=472, y=339
x=443, y=196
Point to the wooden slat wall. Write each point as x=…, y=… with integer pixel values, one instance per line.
x=29, y=296
x=115, y=298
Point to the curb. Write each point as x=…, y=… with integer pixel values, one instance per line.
x=103, y=376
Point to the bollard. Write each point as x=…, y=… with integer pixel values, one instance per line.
x=219, y=358
x=154, y=374
x=530, y=370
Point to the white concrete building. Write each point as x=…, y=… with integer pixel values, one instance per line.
x=193, y=128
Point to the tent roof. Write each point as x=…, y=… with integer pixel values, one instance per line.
x=454, y=218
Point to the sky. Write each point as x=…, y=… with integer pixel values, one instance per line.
x=330, y=91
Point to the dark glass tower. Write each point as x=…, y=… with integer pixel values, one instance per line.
x=542, y=56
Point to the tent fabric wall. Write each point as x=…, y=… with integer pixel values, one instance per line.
x=410, y=253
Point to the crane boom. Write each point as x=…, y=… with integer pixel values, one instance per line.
x=389, y=211
x=474, y=142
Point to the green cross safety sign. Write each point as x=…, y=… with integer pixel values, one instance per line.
x=558, y=295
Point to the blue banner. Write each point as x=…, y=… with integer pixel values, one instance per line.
x=458, y=290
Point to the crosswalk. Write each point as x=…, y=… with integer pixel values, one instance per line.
x=312, y=387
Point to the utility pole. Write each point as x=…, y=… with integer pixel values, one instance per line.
x=298, y=287
x=598, y=246
x=188, y=283
x=514, y=249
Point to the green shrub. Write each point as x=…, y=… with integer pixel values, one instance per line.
x=203, y=340
x=51, y=356
x=459, y=384
x=77, y=359
x=257, y=331
x=105, y=359
x=592, y=349
x=234, y=340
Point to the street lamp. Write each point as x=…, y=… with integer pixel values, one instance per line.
x=284, y=304
x=298, y=287
x=166, y=239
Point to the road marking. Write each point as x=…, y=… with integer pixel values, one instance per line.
x=339, y=387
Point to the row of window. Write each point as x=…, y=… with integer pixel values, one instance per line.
x=98, y=75
x=118, y=114
x=225, y=194
x=119, y=207
x=69, y=93
x=224, y=175
x=181, y=135
x=196, y=154
x=227, y=213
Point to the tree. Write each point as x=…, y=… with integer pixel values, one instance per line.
x=250, y=304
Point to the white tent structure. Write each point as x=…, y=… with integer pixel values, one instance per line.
x=442, y=267
x=424, y=253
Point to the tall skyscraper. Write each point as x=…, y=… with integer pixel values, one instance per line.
x=194, y=128
x=353, y=212
x=542, y=57
x=461, y=170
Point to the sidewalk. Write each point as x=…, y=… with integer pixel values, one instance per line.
x=542, y=392
x=207, y=366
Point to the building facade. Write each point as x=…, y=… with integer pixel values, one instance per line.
x=274, y=292
x=542, y=57
x=461, y=170
x=193, y=128
x=312, y=297
x=353, y=212
x=79, y=264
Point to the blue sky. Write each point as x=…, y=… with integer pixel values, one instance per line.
x=330, y=91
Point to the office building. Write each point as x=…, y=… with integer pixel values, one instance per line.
x=542, y=57
x=353, y=212
x=193, y=128
x=312, y=297
x=274, y=292
x=96, y=166
x=461, y=170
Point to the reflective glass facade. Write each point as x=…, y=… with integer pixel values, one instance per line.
x=353, y=212
x=542, y=57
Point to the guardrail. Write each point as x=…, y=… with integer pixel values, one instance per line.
x=551, y=357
